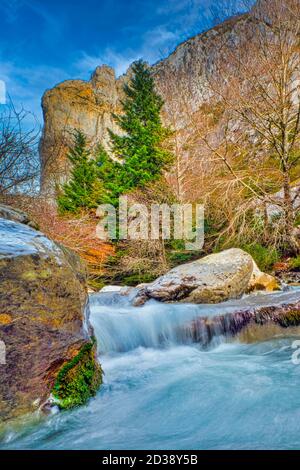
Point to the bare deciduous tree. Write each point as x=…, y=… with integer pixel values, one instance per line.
x=19, y=162
x=256, y=82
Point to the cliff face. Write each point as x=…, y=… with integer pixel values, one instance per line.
x=76, y=104
x=181, y=79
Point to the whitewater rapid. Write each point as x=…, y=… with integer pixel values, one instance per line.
x=120, y=327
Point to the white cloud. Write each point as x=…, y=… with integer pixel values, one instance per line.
x=185, y=18
x=155, y=45
x=159, y=36
x=26, y=86
x=119, y=61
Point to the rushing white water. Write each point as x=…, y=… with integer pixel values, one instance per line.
x=161, y=394
x=120, y=327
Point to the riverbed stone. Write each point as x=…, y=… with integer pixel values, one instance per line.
x=249, y=324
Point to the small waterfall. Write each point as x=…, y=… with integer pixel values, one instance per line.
x=119, y=327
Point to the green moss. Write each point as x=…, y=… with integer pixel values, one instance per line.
x=180, y=257
x=295, y=263
x=34, y=275
x=45, y=274
x=79, y=379
x=137, y=278
x=96, y=283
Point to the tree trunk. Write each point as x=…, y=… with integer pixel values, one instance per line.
x=266, y=224
x=289, y=218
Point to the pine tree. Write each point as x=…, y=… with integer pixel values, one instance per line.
x=109, y=172
x=140, y=147
x=84, y=190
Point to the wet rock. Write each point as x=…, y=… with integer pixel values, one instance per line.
x=287, y=274
x=292, y=278
x=215, y=278
x=9, y=213
x=43, y=326
x=248, y=325
x=261, y=281
x=212, y=279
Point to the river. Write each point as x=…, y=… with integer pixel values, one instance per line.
x=162, y=391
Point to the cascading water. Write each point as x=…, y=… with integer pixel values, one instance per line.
x=164, y=390
x=121, y=328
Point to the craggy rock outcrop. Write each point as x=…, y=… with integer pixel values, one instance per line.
x=181, y=79
x=76, y=104
x=47, y=343
x=215, y=278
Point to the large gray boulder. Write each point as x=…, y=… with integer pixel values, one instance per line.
x=215, y=278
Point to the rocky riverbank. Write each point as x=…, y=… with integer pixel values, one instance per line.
x=48, y=343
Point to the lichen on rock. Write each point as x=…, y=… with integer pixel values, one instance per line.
x=262, y=281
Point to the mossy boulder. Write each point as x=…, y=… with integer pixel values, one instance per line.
x=44, y=325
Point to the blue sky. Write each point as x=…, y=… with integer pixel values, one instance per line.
x=43, y=42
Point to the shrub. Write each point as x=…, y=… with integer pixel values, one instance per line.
x=265, y=257
x=295, y=263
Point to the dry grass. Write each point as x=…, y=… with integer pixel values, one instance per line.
x=77, y=234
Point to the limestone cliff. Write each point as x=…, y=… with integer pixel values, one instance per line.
x=76, y=104
x=181, y=80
